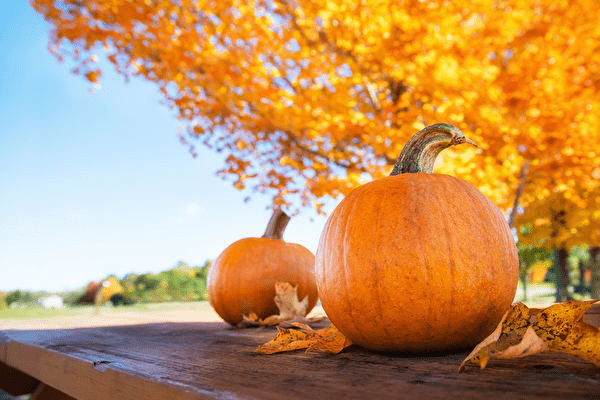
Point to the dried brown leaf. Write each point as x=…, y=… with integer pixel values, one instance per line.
x=523, y=332
x=290, y=308
x=328, y=339
x=286, y=340
x=303, y=320
x=561, y=326
x=286, y=299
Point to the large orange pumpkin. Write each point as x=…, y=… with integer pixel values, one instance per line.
x=417, y=262
x=242, y=279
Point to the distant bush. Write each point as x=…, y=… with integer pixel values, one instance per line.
x=71, y=298
x=118, y=299
x=21, y=297
x=101, y=291
x=181, y=283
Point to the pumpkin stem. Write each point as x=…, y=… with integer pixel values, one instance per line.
x=419, y=154
x=276, y=225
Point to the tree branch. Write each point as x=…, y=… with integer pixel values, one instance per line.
x=523, y=179
x=343, y=164
x=369, y=89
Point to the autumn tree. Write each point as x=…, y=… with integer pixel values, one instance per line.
x=307, y=99
x=529, y=255
x=559, y=221
x=3, y=303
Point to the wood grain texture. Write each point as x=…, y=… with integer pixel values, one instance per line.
x=209, y=360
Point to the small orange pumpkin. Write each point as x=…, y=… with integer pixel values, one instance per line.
x=242, y=279
x=417, y=262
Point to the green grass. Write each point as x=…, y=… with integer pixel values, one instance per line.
x=544, y=293
x=539, y=293
x=34, y=312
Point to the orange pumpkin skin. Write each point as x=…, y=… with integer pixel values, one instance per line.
x=242, y=279
x=416, y=262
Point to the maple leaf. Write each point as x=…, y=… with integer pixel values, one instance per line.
x=524, y=331
x=286, y=299
x=290, y=309
x=328, y=339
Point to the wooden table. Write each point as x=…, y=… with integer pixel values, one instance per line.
x=197, y=360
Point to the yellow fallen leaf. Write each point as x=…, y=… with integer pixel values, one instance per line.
x=328, y=339
x=523, y=332
x=561, y=326
x=503, y=342
x=286, y=340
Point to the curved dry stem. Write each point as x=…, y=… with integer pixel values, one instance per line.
x=276, y=225
x=419, y=154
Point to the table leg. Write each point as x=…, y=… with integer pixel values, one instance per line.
x=15, y=382
x=45, y=392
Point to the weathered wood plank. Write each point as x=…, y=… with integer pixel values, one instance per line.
x=89, y=379
x=209, y=360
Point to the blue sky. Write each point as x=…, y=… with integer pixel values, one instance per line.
x=94, y=184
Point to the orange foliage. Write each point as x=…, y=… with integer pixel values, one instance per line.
x=101, y=291
x=562, y=217
x=311, y=98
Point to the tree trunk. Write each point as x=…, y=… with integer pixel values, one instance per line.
x=595, y=268
x=561, y=273
x=522, y=181
x=582, y=268
x=523, y=277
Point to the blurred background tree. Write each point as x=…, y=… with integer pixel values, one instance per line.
x=3, y=303
x=559, y=221
x=181, y=283
x=20, y=296
x=308, y=99
x=534, y=262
